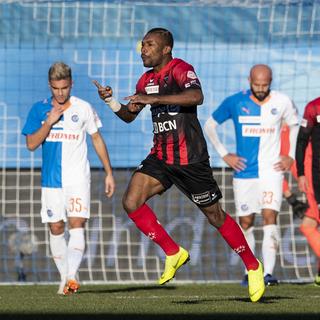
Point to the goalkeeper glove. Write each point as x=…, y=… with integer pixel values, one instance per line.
x=298, y=207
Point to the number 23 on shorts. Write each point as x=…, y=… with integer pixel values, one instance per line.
x=267, y=197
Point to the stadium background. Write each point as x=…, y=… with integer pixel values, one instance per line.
x=99, y=40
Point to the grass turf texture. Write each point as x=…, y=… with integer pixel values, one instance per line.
x=173, y=301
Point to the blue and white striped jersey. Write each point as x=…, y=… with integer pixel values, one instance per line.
x=257, y=128
x=64, y=151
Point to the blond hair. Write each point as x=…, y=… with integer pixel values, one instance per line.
x=59, y=71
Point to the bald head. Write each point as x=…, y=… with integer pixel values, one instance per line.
x=261, y=71
x=260, y=80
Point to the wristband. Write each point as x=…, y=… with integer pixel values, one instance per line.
x=113, y=104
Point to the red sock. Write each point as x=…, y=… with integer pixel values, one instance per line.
x=147, y=222
x=313, y=237
x=233, y=235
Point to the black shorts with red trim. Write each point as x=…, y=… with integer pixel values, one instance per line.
x=194, y=180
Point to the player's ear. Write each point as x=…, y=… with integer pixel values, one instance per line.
x=167, y=50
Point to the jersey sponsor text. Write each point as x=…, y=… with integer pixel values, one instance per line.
x=164, y=126
x=257, y=131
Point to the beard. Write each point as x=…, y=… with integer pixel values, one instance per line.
x=64, y=101
x=261, y=95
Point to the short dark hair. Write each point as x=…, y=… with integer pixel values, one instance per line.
x=165, y=34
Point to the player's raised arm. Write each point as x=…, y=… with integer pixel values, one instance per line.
x=126, y=113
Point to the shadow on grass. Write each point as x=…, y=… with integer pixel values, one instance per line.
x=264, y=300
x=126, y=289
x=268, y=299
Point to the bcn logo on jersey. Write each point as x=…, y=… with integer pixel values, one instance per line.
x=165, y=126
x=257, y=131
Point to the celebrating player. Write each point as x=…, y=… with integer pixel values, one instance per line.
x=257, y=115
x=60, y=124
x=309, y=175
x=179, y=155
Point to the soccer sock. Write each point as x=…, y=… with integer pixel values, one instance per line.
x=312, y=235
x=147, y=222
x=58, y=247
x=270, y=245
x=76, y=247
x=249, y=235
x=233, y=235
x=285, y=186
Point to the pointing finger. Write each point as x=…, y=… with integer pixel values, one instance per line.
x=97, y=84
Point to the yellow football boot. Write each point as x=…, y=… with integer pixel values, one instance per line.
x=173, y=263
x=256, y=283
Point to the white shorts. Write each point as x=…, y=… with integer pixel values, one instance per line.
x=60, y=203
x=253, y=195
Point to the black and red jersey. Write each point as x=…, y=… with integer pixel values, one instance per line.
x=310, y=131
x=178, y=137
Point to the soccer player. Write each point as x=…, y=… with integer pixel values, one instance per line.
x=179, y=155
x=298, y=207
x=60, y=124
x=309, y=175
x=257, y=115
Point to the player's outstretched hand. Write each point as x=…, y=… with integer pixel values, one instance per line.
x=105, y=93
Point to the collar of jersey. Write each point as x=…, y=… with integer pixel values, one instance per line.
x=256, y=101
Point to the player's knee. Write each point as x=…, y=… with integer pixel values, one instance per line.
x=246, y=222
x=126, y=204
x=56, y=228
x=214, y=214
x=130, y=204
x=245, y=225
x=269, y=216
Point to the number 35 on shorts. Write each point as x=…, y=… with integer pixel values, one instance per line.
x=76, y=205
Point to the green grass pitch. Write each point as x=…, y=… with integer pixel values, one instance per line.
x=172, y=301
